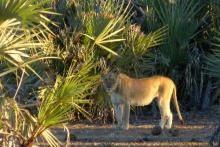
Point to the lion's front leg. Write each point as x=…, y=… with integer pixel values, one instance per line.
x=119, y=112
x=125, y=117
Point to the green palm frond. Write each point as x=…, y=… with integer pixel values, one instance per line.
x=180, y=17
x=15, y=48
x=105, y=36
x=57, y=102
x=134, y=51
x=29, y=13
x=66, y=94
x=213, y=65
x=23, y=123
x=16, y=42
x=139, y=43
x=170, y=13
x=50, y=138
x=110, y=33
x=213, y=60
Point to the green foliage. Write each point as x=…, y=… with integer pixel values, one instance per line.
x=182, y=27
x=93, y=36
x=179, y=57
x=134, y=50
x=101, y=32
x=92, y=31
x=102, y=106
x=105, y=36
x=213, y=64
x=21, y=46
x=214, y=12
x=29, y=13
x=67, y=93
x=104, y=30
x=57, y=102
x=15, y=47
x=17, y=42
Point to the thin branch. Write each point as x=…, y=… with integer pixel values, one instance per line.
x=12, y=129
x=29, y=105
x=19, y=85
x=25, y=64
x=136, y=6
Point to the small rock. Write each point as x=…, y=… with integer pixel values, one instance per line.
x=72, y=137
x=141, y=140
x=156, y=130
x=195, y=140
x=174, y=132
x=146, y=139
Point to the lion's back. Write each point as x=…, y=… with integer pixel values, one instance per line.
x=143, y=91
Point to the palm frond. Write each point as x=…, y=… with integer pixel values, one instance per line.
x=213, y=60
x=110, y=33
x=182, y=26
x=29, y=13
x=66, y=94
x=134, y=51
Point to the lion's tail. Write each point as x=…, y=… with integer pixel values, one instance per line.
x=177, y=106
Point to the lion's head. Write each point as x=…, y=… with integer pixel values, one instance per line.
x=110, y=81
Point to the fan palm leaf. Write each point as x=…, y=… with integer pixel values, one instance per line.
x=182, y=27
x=28, y=13
x=213, y=60
x=15, y=48
x=16, y=39
x=66, y=94
x=111, y=31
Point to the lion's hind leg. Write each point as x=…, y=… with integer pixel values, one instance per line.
x=163, y=118
x=166, y=114
x=170, y=118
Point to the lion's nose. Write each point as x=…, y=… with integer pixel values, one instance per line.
x=108, y=89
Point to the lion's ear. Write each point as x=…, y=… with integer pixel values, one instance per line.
x=116, y=70
x=104, y=72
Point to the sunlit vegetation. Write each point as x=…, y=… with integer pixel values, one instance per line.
x=52, y=53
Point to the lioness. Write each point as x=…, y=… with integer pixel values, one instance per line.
x=126, y=91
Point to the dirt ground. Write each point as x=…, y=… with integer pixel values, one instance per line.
x=196, y=131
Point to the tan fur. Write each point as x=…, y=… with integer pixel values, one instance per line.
x=126, y=91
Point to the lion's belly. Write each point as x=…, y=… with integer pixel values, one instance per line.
x=143, y=95
x=142, y=101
